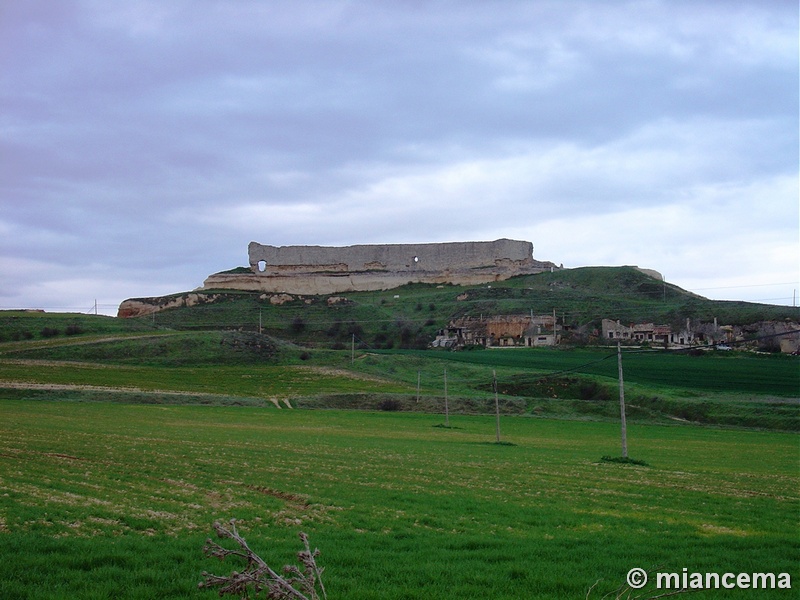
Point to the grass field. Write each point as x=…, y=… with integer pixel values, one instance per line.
x=109, y=500
x=736, y=372
x=121, y=442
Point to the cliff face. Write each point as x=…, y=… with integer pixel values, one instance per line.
x=138, y=307
x=332, y=270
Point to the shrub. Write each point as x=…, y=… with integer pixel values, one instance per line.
x=298, y=325
x=389, y=404
x=48, y=332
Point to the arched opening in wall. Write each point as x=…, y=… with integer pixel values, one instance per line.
x=262, y=266
x=415, y=260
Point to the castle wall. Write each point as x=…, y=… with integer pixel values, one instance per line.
x=332, y=270
x=453, y=256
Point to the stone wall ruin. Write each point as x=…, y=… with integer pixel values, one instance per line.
x=332, y=270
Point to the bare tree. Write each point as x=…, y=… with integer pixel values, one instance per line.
x=296, y=584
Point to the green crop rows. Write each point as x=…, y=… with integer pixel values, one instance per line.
x=105, y=500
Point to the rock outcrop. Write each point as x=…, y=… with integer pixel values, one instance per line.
x=138, y=307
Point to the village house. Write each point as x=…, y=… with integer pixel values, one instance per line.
x=651, y=334
x=499, y=330
x=505, y=331
x=701, y=334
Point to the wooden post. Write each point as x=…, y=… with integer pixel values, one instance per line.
x=496, y=406
x=623, y=425
x=418, y=378
x=446, y=409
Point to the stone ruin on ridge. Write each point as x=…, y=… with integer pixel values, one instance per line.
x=324, y=270
x=317, y=270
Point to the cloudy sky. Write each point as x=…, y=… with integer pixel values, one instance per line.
x=144, y=144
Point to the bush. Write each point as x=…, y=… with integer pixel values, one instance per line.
x=389, y=404
x=591, y=390
x=298, y=325
x=48, y=332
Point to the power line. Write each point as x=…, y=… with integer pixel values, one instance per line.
x=750, y=285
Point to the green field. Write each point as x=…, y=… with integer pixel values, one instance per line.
x=735, y=372
x=122, y=441
x=110, y=500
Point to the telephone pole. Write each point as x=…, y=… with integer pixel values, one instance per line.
x=496, y=406
x=446, y=410
x=623, y=425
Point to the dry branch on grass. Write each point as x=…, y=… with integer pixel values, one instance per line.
x=296, y=584
x=306, y=583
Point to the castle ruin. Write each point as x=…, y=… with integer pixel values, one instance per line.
x=317, y=270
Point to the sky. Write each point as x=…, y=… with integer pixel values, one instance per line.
x=144, y=144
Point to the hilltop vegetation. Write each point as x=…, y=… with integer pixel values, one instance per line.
x=409, y=316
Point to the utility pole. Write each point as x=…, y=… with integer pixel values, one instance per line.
x=353, y=349
x=496, y=406
x=623, y=425
x=259, y=321
x=554, y=327
x=446, y=409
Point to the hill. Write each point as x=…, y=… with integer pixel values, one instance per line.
x=409, y=316
x=366, y=351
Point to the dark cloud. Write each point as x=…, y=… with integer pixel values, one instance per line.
x=146, y=143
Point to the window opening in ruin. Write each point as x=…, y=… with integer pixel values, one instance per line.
x=416, y=259
x=262, y=266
